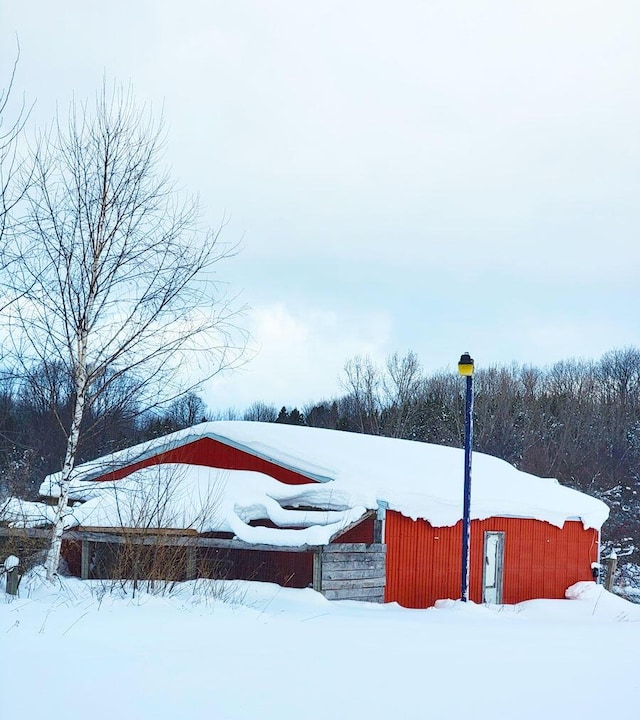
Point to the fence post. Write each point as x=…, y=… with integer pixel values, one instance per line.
x=317, y=571
x=192, y=563
x=611, y=571
x=12, y=570
x=84, y=560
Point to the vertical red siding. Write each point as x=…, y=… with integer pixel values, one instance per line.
x=211, y=453
x=540, y=560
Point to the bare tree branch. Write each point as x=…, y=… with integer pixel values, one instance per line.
x=13, y=178
x=113, y=271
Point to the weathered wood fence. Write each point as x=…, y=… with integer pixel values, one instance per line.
x=350, y=571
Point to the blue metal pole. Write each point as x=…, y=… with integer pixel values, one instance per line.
x=466, y=510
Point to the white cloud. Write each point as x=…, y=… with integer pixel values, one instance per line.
x=299, y=355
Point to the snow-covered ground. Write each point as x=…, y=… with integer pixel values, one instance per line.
x=269, y=652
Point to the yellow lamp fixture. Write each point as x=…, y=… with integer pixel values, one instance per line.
x=465, y=365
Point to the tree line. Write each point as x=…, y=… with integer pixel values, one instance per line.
x=35, y=412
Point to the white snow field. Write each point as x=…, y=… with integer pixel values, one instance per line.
x=75, y=651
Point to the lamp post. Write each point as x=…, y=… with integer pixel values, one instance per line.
x=465, y=368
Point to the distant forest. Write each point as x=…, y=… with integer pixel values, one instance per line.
x=577, y=421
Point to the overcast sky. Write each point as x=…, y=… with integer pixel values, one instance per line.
x=438, y=176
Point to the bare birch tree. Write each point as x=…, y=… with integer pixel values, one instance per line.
x=113, y=269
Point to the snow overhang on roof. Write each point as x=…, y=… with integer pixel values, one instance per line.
x=419, y=480
x=212, y=500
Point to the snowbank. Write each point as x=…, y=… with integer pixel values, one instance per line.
x=188, y=654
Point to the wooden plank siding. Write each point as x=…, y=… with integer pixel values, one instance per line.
x=351, y=571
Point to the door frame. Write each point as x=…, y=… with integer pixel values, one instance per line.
x=500, y=534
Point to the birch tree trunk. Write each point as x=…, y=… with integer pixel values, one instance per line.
x=53, y=555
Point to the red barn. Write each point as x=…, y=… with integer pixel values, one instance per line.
x=291, y=487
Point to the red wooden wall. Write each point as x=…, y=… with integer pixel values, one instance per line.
x=540, y=560
x=211, y=453
x=361, y=533
x=289, y=569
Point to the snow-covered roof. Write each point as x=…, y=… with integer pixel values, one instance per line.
x=353, y=472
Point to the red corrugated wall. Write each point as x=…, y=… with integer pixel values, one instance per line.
x=540, y=560
x=212, y=453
